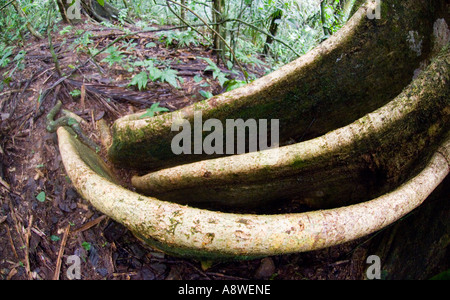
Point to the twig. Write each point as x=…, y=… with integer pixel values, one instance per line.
x=27, y=248
x=186, y=23
x=5, y=184
x=89, y=224
x=11, y=242
x=7, y=4
x=264, y=32
x=61, y=253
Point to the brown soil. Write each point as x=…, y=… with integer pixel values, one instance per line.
x=32, y=232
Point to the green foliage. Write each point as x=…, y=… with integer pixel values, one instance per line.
x=180, y=39
x=13, y=29
x=5, y=53
x=154, y=73
x=234, y=84
x=206, y=94
x=75, y=93
x=55, y=238
x=220, y=76
x=442, y=276
x=155, y=108
x=65, y=30
x=170, y=76
x=87, y=246
x=19, y=65
x=140, y=80
x=115, y=56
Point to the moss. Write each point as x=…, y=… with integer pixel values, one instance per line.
x=298, y=164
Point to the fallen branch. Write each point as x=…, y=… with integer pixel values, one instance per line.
x=27, y=248
x=90, y=224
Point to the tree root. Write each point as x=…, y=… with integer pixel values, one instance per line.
x=383, y=145
x=347, y=70
x=203, y=234
x=71, y=123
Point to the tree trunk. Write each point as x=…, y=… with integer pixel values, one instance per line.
x=273, y=28
x=183, y=11
x=217, y=12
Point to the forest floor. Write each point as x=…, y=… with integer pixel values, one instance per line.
x=35, y=230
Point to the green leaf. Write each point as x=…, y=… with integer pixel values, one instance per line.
x=170, y=76
x=115, y=56
x=87, y=246
x=154, y=73
x=55, y=238
x=221, y=77
x=140, y=80
x=234, y=84
x=75, y=93
x=153, y=109
x=197, y=78
x=206, y=94
x=41, y=197
x=101, y=2
x=150, y=45
x=65, y=30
